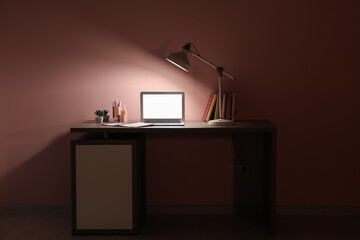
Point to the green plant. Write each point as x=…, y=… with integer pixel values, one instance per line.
x=101, y=113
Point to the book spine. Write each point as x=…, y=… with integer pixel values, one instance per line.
x=223, y=106
x=207, y=107
x=233, y=107
x=216, y=114
x=211, y=107
x=228, y=106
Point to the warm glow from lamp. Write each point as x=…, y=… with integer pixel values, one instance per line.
x=177, y=65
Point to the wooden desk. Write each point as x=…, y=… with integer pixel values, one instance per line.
x=255, y=152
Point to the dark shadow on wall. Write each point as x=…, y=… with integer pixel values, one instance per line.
x=42, y=180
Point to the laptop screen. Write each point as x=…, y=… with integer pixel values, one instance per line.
x=162, y=105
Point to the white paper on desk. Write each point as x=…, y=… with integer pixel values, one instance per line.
x=109, y=124
x=135, y=125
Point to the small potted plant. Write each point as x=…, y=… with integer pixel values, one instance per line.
x=106, y=117
x=99, y=116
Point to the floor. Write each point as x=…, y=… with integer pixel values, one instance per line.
x=56, y=225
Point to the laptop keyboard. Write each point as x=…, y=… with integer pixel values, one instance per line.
x=167, y=124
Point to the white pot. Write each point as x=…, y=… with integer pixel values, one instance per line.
x=99, y=119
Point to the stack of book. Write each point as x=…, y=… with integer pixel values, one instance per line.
x=227, y=110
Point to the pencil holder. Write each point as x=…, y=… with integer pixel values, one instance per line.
x=116, y=112
x=123, y=117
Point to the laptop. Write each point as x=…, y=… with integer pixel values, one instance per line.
x=163, y=108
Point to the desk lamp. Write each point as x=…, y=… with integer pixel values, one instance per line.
x=180, y=59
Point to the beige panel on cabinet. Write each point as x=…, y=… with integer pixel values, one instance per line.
x=104, y=187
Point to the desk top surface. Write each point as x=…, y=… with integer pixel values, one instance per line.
x=190, y=126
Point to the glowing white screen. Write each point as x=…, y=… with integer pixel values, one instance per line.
x=162, y=106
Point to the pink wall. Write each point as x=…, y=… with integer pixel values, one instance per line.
x=297, y=64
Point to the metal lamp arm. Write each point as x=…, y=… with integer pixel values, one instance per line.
x=220, y=71
x=187, y=47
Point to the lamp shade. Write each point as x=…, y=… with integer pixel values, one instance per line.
x=180, y=59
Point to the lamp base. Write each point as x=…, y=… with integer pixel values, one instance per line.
x=220, y=122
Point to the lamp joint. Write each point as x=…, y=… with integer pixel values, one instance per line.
x=220, y=70
x=187, y=46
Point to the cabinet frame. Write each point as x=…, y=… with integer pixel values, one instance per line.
x=135, y=185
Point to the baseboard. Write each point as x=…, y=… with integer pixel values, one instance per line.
x=318, y=210
x=229, y=209
x=204, y=209
x=190, y=209
x=31, y=210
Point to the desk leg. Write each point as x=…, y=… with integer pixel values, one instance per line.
x=270, y=181
x=142, y=176
x=254, y=178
